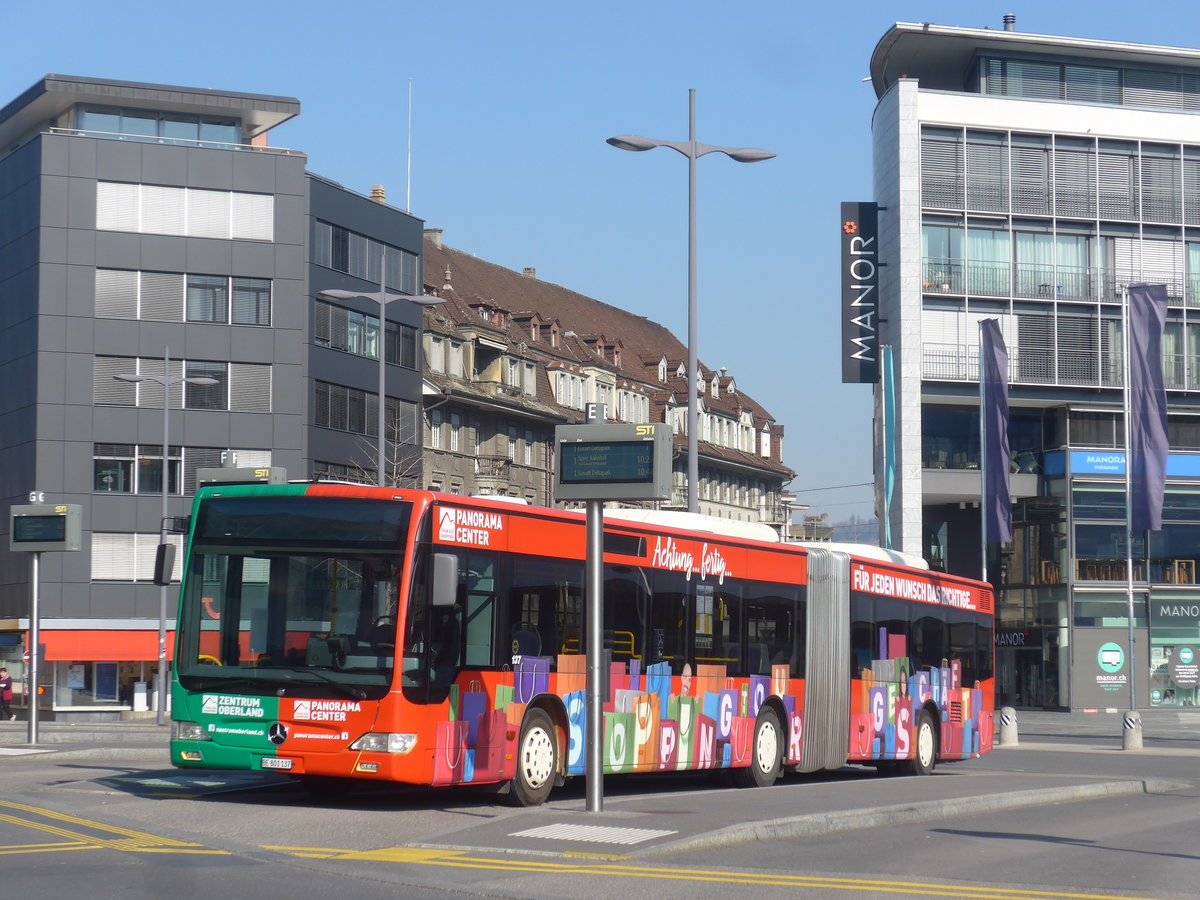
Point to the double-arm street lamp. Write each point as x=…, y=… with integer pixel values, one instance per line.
x=693, y=151
x=381, y=298
x=167, y=381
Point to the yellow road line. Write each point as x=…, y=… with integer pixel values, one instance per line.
x=128, y=840
x=460, y=859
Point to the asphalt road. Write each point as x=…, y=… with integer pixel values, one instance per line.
x=1064, y=813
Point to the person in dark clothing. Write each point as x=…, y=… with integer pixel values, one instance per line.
x=6, y=714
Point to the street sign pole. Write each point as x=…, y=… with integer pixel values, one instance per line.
x=35, y=632
x=596, y=462
x=595, y=655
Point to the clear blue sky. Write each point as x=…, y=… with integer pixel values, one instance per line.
x=512, y=103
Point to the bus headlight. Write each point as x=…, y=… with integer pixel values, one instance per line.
x=188, y=731
x=380, y=742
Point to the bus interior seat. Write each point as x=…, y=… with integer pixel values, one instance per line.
x=758, y=659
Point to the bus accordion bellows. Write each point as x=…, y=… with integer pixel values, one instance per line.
x=352, y=632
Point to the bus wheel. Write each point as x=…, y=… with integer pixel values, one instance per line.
x=925, y=757
x=766, y=753
x=537, y=760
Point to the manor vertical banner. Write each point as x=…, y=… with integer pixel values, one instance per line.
x=860, y=293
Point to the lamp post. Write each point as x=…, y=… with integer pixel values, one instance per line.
x=693, y=151
x=381, y=298
x=167, y=382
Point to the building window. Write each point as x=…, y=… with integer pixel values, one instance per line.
x=161, y=127
x=358, y=255
x=187, y=212
x=174, y=297
x=455, y=429
x=207, y=298
x=528, y=447
x=240, y=387
x=435, y=429
x=130, y=557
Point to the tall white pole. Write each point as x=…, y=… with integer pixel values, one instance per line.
x=408, y=162
x=1125, y=369
x=381, y=352
x=693, y=437
x=983, y=484
x=35, y=636
x=160, y=715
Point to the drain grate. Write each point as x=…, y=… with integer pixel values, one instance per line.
x=594, y=834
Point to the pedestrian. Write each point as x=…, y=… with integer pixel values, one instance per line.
x=6, y=714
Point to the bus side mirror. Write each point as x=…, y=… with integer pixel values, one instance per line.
x=164, y=564
x=444, y=584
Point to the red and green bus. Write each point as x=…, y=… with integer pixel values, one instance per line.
x=337, y=631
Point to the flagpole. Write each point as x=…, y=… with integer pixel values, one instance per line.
x=983, y=482
x=1125, y=374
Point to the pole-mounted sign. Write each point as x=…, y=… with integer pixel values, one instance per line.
x=860, y=293
x=37, y=528
x=612, y=462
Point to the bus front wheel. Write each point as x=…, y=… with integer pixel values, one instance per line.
x=537, y=760
x=766, y=753
x=925, y=757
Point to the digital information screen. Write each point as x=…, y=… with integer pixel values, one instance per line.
x=591, y=462
x=612, y=462
x=43, y=526
x=39, y=528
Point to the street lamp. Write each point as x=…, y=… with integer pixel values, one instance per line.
x=381, y=298
x=693, y=151
x=167, y=382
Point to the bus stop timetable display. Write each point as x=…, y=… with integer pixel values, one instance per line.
x=604, y=463
x=613, y=462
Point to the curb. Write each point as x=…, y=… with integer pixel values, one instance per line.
x=929, y=810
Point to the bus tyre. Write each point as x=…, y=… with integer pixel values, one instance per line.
x=537, y=760
x=925, y=755
x=766, y=753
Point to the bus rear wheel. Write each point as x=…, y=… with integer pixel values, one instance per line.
x=766, y=753
x=925, y=757
x=537, y=760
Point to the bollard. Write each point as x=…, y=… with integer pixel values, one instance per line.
x=1008, y=727
x=1131, y=736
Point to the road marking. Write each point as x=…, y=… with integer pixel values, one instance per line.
x=461, y=860
x=124, y=840
x=594, y=834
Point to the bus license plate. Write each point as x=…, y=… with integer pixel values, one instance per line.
x=276, y=762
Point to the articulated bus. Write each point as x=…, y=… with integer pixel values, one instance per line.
x=340, y=632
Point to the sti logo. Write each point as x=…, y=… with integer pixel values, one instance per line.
x=303, y=709
x=446, y=524
x=209, y=705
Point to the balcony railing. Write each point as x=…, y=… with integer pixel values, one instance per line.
x=1077, y=368
x=181, y=142
x=946, y=275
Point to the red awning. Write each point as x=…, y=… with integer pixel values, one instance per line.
x=103, y=645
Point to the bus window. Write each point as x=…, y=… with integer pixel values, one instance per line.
x=669, y=625
x=626, y=597
x=773, y=636
x=480, y=612
x=727, y=626
x=545, y=608
x=929, y=640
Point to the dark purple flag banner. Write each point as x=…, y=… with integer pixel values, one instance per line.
x=1146, y=406
x=993, y=407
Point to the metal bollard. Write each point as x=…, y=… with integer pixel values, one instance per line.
x=1008, y=727
x=1131, y=736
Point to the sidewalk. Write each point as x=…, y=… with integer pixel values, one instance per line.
x=140, y=740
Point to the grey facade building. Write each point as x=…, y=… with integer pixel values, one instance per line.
x=141, y=223
x=1029, y=178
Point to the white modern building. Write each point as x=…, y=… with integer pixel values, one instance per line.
x=1029, y=178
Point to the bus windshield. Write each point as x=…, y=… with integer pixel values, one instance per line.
x=288, y=594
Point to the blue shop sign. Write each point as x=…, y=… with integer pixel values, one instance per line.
x=1112, y=462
